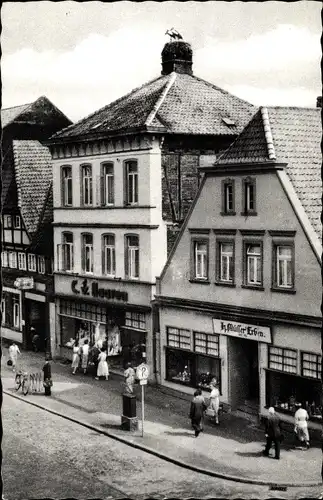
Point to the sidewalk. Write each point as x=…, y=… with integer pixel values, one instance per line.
x=233, y=450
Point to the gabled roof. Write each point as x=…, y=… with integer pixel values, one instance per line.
x=8, y=115
x=175, y=103
x=285, y=135
x=43, y=236
x=33, y=174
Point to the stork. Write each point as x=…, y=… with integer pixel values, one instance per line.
x=174, y=34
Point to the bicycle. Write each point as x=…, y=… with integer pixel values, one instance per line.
x=21, y=380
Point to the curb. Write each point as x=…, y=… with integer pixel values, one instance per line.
x=175, y=461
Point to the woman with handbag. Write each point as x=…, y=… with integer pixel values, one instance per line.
x=214, y=401
x=76, y=357
x=197, y=409
x=47, y=378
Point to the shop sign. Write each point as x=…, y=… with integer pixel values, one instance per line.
x=24, y=283
x=242, y=330
x=98, y=292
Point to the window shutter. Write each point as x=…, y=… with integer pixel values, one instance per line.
x=103, y=194
x=125, y=183
x=59, y=257
x=102, y=254
x=98, y=197
x=126, y=257
x=83, y=254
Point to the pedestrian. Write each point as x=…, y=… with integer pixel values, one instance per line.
x=197, y=409
x=35, y=339
x=76, y=357
x=103, y=368
x=47, y=369
x=273, y=433
x=129, y=375
x=214, y=404
x=13, y=355
x=85, y=355
x=301, y=427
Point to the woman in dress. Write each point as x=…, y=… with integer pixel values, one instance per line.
x=215, y=400
x=197, y=409
x=76, y=357
x=103, y=369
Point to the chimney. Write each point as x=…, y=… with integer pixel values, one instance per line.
x=177, y=56
x=319, y=101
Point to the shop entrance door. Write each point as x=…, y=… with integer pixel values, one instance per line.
x=243, y=371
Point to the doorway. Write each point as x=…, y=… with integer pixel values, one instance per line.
x=243, y=371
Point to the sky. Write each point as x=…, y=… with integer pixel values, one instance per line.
x=83, y=56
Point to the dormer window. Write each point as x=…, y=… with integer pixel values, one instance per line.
x=249, y=196
x=228, y=197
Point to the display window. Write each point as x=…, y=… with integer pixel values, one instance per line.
x=179, y=366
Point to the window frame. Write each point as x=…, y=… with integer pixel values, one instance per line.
x=207, y=341
x=218, y=263
x=105, y=185
x=128, y=265
x=104, y=254
x=13, y=257
x=4, y=258
x=189, y=349
x=318, y=362
x=89, y=187
x=276, y=243
x=283, y=349
x=22, y=257
x=16, y=302
x=16, y=219
x=245, y=243
x=67, y=247
x=135, y=185
x=31, y=257
x=193, y=259
x=249, y=182
x=7, y=221
x=41, y=264
x=66, y=186
x=91, y=253
x=134, y=319
x=225, y=184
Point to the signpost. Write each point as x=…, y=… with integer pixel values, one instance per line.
x=142, y=373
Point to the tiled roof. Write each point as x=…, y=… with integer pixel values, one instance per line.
x=174, y=103
x=43, y=238
x=33, y=173
x=294, y=137
x=8, y=115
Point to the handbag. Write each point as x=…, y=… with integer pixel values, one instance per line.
x=209, y=412
x=48, y=382
x=9, y=362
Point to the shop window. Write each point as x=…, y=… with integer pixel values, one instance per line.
x=132, y=256
x=13, y=260
x=283, y=359
x=206, y=343
x=83, y=310
x=67, y=186
x=253, y=264
x=107, y=184
x=249, y=196
x=41, y=264
x=179, y=366
x=228, y=197
x=31, y=262
x=4, y=259
x=179, y=337
x=11, y=310
x=109, y=255
x=17, y=222
x=7, y=221
x=87, y=253
x=86, y=188
x=22, y=261
x=283, y=266
x=225, y=262
x=311, y=365
x=199, y=259
x=131, y=182
x=135, y=320
x=207, y=369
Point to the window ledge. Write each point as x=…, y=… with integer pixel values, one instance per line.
x=247, y=214
x=199, y=281
x=291, y=291
x=228, y=213
x=224, y=283
x=253, y=287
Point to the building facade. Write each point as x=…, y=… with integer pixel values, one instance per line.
x=27, y=242
x=239, y=298
x=124, y=178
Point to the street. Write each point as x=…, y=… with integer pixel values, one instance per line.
x=47, y=456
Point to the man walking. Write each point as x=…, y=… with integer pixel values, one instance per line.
x=273, y=433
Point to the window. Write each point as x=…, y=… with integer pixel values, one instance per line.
x=67, y=252
x=283, y=266
x=283, y=359
x=4, y=259
x=22, y=261
x=17, y=224
x=249, y=196
x=41, y=264
x=86, y=197
x=11, y=310
x=206, y=343
x=178, y=337
x=253, y=264
x=32, y=262
x=87, y=253
x=109, y=255
x=67, y=186
x=311, y=365
x=16, y=312
x=13, y=260
x=107, y=184
x=131, y=168
x=225, y=262
x=200, y=260
x=135, y=320
x=132, y=256
x=228, y=197
x=7, y=221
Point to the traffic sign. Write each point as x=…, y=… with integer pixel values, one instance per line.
x=143, y=382
x=142, y=371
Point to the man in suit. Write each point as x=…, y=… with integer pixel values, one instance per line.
x=273, y=433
